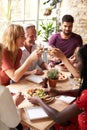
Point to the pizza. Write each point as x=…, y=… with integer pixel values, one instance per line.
x=62, y=77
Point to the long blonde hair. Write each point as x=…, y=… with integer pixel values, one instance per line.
x=10, y=35
x=0, y=54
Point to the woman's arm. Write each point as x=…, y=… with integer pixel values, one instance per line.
x=59, y=117
x=15, y=75
x=58, y=53
x=54, y=92
x=70, y=67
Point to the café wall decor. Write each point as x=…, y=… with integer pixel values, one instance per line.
x=53, y=2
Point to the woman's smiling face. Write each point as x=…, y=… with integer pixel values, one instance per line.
x=78, y=63
x=20, y=39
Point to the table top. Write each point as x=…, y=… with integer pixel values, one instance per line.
x=41, y=124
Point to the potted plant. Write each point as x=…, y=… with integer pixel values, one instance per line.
x=52, y=77
x=45, y=31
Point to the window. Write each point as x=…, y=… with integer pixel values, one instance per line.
x=24, y=12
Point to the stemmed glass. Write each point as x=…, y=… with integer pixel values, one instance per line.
x=74, y=82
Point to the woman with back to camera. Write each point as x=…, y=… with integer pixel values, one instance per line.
x=79, y=107
x=9, y=118
x=12, y=40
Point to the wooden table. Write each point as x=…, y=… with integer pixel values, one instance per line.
x=41, y=124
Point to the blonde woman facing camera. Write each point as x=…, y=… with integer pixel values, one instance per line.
x=12, y=40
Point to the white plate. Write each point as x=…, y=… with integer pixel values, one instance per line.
x=35, y=113
x=45, y=98
x=35, y=78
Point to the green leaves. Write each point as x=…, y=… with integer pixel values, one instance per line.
x=46, y=30
x=52, y=74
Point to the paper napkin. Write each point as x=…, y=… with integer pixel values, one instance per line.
x=66, y=99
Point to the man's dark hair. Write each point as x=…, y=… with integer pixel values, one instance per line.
x=67, y=18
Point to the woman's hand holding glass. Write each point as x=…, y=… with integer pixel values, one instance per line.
x=56, y=52
x=36, y=54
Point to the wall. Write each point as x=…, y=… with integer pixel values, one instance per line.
x=78, y=9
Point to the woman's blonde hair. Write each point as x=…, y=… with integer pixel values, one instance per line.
x=0, y=48
x=0, y=54
x=10, y=35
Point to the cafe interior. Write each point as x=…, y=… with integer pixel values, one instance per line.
x=44, y=11
x=46, y=15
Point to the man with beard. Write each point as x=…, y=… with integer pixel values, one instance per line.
x=66, y=40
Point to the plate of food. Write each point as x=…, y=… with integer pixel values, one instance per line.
x=62, y=77
x=40, y=92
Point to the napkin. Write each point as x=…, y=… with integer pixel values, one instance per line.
x=35, y=113
x=67, y=99
x=13, y=91
x=35, y=78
